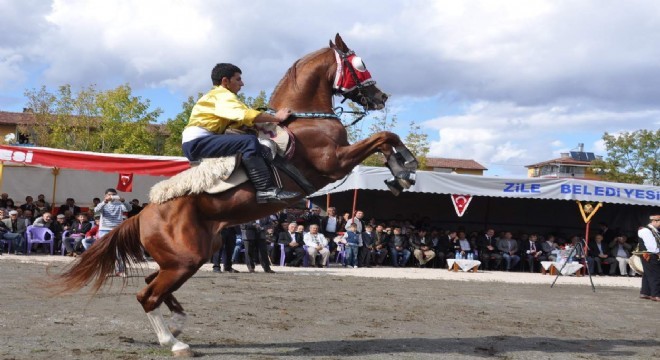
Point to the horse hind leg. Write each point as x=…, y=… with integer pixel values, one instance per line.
x=151, y=297
x=178, y=316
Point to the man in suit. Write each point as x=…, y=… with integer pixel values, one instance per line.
x=69, y=205
x=621, y=252
x=293, y=245
x=399, y=245
x=599, y=251
x=331, y=224
x=379, y=245
x=443, y=246
x=13, y=229
x=367, y=246
x=423, y=247
x=487, y=245
x=533, y=251
x=508, y=247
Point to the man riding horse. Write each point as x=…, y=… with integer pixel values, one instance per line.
x=220, y=109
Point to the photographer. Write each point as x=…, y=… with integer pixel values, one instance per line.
x=112, y=210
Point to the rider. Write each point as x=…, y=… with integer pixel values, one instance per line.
x=219, y=109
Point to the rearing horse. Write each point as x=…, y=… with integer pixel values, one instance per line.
x=183, y=233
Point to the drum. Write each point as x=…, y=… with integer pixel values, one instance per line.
x=635, y=263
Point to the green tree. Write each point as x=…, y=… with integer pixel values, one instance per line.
x=174, y=128
x=107, y=121
x=418, y=143
x=355, y=132
x=632, y=157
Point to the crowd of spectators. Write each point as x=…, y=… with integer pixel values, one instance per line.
x=358, y=242
x=308, y=237
x=74, y=227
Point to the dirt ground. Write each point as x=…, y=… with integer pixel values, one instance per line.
x=314, y=314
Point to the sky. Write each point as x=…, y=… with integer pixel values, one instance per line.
x=506, y=83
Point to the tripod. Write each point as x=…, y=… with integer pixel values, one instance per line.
x=586, y=264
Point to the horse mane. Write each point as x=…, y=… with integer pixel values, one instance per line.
x=292, y=73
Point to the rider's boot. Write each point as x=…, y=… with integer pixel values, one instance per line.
x=260, y=175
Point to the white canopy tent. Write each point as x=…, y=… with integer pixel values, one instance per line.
x=536, y=204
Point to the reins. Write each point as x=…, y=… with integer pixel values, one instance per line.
x=335, y=115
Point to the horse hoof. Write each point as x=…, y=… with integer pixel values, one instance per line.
x=183, y=353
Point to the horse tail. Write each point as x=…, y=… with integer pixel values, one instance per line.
x=97, y=262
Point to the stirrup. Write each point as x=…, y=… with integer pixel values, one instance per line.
x=275, y=195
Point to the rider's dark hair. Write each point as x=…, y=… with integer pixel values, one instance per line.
x=223, y=70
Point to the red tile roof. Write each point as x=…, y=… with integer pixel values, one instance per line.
x=454, y=164
x=15, y=118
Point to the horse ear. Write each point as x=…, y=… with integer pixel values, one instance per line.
x=332, y=45
x=341, y=45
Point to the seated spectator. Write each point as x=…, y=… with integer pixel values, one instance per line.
x=4, y=214
x=621, y=252
x=533, y=252
x=58, y=227
x=271, y=242
x=9, y=204
x=579, y=254
x=3, y=200
x=508, y=248
x=316, y=245
x=27, y=218
x=399, y=245
x=29, y=204
x=41, y=198
x=70, y=205
x=600, y=253
x=463, y=245
x=379, y=246
x=423, y=248
x=444, y=247
x=550, y=248
x=40, y=207
x=293, y=245
x=76, y=234
x=45, y=220
x=487, y=246
x=90, y=236
x=13, y=229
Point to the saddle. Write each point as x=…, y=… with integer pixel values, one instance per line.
x=216, y=175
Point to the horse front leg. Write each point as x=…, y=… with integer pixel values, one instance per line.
x=400, y=160
x=352, y=155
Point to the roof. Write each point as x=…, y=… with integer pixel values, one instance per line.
x=454, y=163
x=373, y=178
x=561, y=160
x=15, y=118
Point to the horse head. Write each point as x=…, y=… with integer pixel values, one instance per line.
x=352, y=79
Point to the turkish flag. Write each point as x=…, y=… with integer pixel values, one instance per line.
x=461, y=203
x=125, y=183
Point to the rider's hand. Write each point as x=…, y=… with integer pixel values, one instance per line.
x=282, y=114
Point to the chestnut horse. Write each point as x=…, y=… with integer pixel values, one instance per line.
x=183, y=233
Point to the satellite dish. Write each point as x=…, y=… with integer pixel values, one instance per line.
x=10, y=138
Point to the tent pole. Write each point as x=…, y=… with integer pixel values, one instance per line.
x=2, y=171
x=55, y=171
x=327, y=200
x=354, y=201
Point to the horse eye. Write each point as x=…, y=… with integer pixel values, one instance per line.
x=358, y=64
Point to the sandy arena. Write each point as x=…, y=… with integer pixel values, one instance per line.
x=309, y=313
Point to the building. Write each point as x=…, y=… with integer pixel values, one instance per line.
x=574, y=164
x=458, y=166
x=10, y=121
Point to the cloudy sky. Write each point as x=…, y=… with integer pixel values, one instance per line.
x=506, y=83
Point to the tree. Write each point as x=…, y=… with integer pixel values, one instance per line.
x=418, y=143
x=91, y=120
x=174, y=128
x=631, y=158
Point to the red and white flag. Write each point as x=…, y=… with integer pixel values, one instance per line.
x=461, y=203
x=125, y=183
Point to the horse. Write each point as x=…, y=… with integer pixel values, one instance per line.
x=182, y=234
